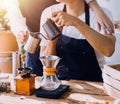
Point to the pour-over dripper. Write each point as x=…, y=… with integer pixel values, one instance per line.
x=50, y=61
x=49, y=79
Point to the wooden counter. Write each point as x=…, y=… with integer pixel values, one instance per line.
x=81, y=92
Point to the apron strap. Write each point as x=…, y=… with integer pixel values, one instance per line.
x=87, y=16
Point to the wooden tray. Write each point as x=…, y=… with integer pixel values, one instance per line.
x=112, y=70
x=111, y=91
x=111, y=78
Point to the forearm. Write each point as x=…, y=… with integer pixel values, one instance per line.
x=94, y=6
x=103, y=21
x=50, y=49
x=105, y=44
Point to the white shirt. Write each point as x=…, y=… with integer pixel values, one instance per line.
x=16, y=21
x=71, y=31
x=113, y=6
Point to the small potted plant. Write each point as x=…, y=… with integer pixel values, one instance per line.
x=8, y=43
x=7, y=39
x=3, y=20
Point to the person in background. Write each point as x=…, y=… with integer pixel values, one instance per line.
x=81, y=46
x=24, y=17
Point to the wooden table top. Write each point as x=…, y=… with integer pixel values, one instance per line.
x=81, y=92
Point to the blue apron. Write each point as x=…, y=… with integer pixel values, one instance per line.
x=33, y=61
x=78, y=59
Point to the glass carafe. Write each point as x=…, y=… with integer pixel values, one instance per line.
x=49, y=79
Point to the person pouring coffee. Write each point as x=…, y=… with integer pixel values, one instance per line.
x=81, y=46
